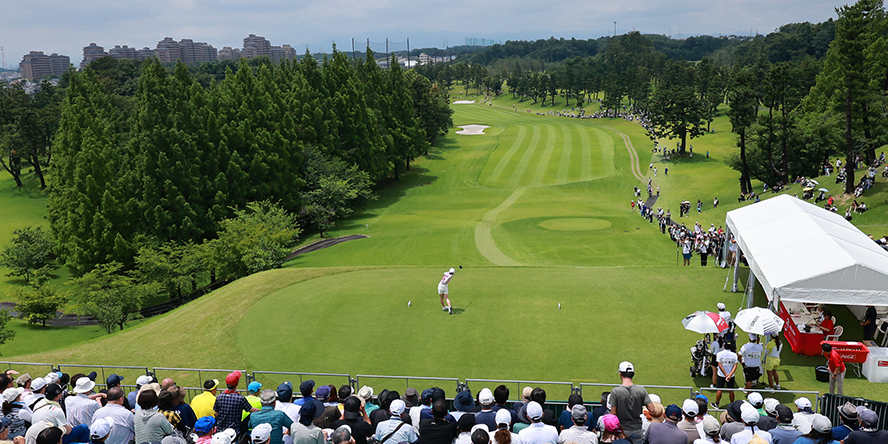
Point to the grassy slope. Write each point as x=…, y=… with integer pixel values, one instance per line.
x=616, y=277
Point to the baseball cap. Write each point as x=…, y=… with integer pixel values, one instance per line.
x=868, y=417
x=323, y=392
x=307, y=385
x=710, y=426
x=285, y=390
x=224, y=437
x=209, y=384
x=310, y=409
x=848, y=411
x=485, y=397
x=261, y=433
x=53, y=390
x=254, y=386
x=784, y=414
x=92, y=375
x=626, y=366
x=753, y=336
x=690, y=407
x=23, y=379
x=453, y=270
x=4, y=422
x=480, y=436
x=611, y=422
x=233, y=378
x=534, y=410
x=100, y=428
x=205, y=425
x=755, y=398
x=352, y=407
x=578, y=412
x=749, y=414
x=366, y=392
x=113, y=379
x=503, y=416
x=143, y=379
x=803, y=403
x=820, y=423
x=673, y=412
x=11, y=393
x=38, y=383
x=771, y=406
x=397, y=407
x=654, y=398
x=720, y=305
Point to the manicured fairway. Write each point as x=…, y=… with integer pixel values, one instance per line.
x=537, y=210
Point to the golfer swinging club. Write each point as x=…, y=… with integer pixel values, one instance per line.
x=444, y=292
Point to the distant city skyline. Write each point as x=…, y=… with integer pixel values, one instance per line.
x=54, y=26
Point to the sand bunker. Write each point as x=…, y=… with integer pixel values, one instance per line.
x=472, y=130
x=464, y=102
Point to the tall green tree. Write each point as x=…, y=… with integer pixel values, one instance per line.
x=30, y=250
x=40, y=301
x=258, y=237
x=676, y=111
x=744, y=100
x=844, y=86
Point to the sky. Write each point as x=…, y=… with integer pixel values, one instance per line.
x=66, y=26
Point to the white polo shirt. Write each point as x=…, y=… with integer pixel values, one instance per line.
x=538, y=433
x=123, y=431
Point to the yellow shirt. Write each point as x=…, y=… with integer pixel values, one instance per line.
x=255, y=402
x=203, y=403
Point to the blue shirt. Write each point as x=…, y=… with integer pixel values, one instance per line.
x=840, y=432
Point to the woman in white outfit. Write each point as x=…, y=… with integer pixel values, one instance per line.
x=444, y=292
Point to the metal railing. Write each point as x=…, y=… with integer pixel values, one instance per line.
x=830, y=404
x=554, y=389
x=557, y=392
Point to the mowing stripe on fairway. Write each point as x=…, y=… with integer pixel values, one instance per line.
x=586, y=168
x=501, y=165
x=566, y=148
x=543, y=164
x=606, y=151
x=483, y=237
x=518, y=172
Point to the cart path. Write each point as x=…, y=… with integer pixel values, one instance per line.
x=324, y=243
x=484, y=238
x=634, y=163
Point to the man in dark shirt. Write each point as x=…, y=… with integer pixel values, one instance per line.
x=667, y=432
x=869, y=432
x=869, y=323
x=437, y=430
x=357, y=419
x=500, y=398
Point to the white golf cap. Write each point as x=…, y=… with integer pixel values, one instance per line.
x=261, y=433
x=503, y=416
x=655, y=398
x=453, y=270
x=485, y=397
x=803, y=403
x=534, y=410
x=100, y=428
x=720, y=305
x=142, y=380
x=690, y=407
x=749, y=414
x=626, y=366
x=753, y=337
x=755, y=398
x=37, y=384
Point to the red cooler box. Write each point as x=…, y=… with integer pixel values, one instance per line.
x=855, y=352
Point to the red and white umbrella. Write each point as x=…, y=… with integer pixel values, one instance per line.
x=704, y=322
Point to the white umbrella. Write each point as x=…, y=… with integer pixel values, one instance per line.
x=704, y=322
x=760, y=321
x=814, y=181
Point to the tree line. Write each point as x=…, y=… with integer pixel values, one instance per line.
x=160, y=184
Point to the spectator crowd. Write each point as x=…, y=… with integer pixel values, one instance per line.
x=62, y=409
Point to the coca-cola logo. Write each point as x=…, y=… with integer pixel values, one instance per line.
x=882, y=364
x=850, y=356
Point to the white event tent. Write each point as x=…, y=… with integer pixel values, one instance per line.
x=803, y=253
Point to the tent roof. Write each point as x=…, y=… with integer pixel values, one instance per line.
x=804, y=253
